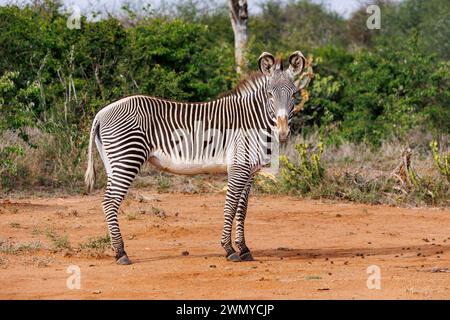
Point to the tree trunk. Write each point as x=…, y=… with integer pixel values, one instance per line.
x=239, y=21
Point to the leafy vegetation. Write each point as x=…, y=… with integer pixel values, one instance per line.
x=305, y=174
x=370, y=86
x=98, y=243
x=442, y=162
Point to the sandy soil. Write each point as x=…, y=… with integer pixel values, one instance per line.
x=303, y=250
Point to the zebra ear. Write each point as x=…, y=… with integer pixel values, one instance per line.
x=266, y=63
x=296, y=63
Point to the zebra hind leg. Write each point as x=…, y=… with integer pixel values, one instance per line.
x=111, y=204
x=116, y=190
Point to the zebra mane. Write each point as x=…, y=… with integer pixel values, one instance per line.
x=246, y=85
x=251, y=81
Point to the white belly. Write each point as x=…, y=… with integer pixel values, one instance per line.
x=188, y=167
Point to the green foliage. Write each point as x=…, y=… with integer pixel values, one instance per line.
x=442, y=162
x=96, y=246
x=286, y=26
x=322, y=109
x=16, y=104
x=372, y=95
x=7, y=159
x=391, y=92
x=307, y=173
x=175, y=59
x=430, y=20
x=56, y=79
x=369, y=85
x=163, y=183
x=66, y=75
x=307, y=177
x=100, y=243
x=8, y=164
x=428, y=191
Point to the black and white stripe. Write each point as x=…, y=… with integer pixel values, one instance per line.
x=234, y=134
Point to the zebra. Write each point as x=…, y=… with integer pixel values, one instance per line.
x=190, y=138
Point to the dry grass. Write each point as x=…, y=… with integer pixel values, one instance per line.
x=361, y=174
x=58, y=242
x=8, y=247
x=362, y=158
x=46, y=170
x=47, y=167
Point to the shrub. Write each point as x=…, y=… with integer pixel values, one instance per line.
x=8, y=164
x=97, y=243
x=59, y=242
x=8, y=247
x=442, y=162
x=390, y=92
x=307, y=173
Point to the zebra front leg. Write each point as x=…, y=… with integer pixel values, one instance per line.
x=241, y=213
x=237, y=178
x=229, y=212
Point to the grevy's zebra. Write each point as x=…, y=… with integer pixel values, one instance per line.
x=235, y=134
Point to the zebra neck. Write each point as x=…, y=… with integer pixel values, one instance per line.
x=243, y=110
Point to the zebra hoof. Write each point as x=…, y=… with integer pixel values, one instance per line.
x=123, y=260
x=247, y=256
x=234, y=257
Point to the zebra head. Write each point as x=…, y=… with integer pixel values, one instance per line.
x=281, y=90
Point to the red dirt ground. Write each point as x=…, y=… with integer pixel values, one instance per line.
x=303, y=249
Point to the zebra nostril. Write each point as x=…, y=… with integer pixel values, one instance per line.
x=283, y=135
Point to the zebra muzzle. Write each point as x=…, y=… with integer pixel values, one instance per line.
x=283, y=128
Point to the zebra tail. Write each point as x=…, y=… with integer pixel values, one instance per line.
x=89, y=177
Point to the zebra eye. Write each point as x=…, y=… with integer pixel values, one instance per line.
x=297, y=97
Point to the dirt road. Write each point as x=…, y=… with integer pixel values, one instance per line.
x=303, y=250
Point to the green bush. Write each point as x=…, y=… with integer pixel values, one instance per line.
x=8, y=164
x=303, y=176
x=442, y=162
x=391, y=92
x=367, y=88
x=100, y=243
x=16, y=104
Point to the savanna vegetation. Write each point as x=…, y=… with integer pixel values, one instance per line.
x=375, y=92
